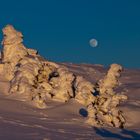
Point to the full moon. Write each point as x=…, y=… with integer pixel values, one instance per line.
x=93, y=43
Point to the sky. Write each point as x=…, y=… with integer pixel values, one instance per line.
x=61, y=29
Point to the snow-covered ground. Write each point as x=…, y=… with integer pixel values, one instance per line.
x=20, y=120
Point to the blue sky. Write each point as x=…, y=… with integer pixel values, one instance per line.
x=61, y=29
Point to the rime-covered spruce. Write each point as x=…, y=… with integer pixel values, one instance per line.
x=35, y=79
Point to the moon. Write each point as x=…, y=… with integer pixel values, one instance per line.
x=93, y=42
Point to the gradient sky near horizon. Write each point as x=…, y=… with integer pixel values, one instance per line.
x=61, y=29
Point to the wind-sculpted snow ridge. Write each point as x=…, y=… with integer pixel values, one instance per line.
x=35, y=79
